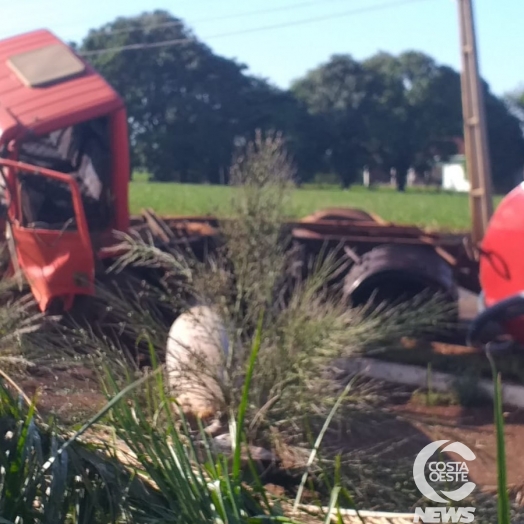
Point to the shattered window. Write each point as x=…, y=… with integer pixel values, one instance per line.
x=82, y=151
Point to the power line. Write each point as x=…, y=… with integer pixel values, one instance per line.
x=181, y=41
x=230, y=16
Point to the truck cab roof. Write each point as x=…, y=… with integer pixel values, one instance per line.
x=45, y=85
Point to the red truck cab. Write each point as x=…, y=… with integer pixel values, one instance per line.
x=64, y=165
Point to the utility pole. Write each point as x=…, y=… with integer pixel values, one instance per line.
x=475, y=135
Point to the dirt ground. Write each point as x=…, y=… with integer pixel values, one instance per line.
x=399, y=431
x=70, y=394
x=474, y=427
x=383, y=443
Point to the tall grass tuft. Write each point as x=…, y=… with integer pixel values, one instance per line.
x=503, y=501
x=193, y=480
x=279, y=383
x=153, y=470
x=41, y=482
x=306, y=326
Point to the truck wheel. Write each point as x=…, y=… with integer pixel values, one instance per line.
x=393, y=273
x=341, y=213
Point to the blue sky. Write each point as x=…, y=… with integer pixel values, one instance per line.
x=286, y=53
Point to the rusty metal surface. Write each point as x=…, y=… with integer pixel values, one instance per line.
x=360, y=230
x=343, y=213
x=334, y=221
x=342, y=230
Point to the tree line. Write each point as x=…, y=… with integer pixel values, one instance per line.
x=190, y=108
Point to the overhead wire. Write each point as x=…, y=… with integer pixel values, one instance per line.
x=230, y=16
x=182, y=41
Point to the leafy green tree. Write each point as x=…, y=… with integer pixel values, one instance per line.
x=401, y=112
x=187, y=106
x=515, y=102
x=340, y=95
x=422, y=108
x=185, y=102
x=506, y=142
x=386, y=112
x=271, y=108
x=429, y=114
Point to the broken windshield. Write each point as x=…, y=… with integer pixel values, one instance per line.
x=82, y=151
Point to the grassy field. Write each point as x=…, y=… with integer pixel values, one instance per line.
x=445, y=211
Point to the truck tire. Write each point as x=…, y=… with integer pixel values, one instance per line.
x=393, y=273
x=340, y=214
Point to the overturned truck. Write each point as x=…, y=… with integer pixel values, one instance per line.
x=65, y=171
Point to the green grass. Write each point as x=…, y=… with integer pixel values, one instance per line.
x=422, y=207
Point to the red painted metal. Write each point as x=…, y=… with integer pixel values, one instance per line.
x=57, y=264
x=26, y=110
x=41, y=110
x=53, y=260
x=502, y=256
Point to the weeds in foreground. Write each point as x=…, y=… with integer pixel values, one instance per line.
x=305, y=329
x=502, y=481
x=307, y=324
x=40, y=484
x=155, y=470
x=18, y=318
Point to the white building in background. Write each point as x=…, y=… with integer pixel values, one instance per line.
x=454, y=175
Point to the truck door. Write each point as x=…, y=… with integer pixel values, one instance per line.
x=50, y=234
